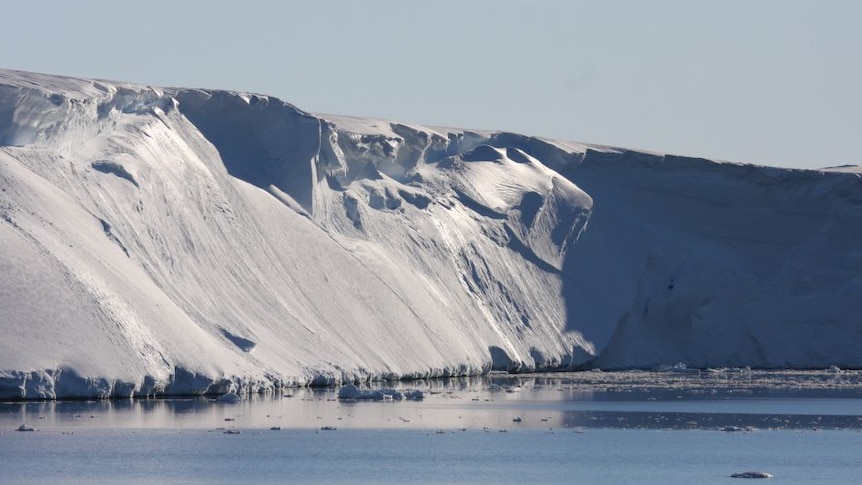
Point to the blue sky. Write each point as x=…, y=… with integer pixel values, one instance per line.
x=770, y=82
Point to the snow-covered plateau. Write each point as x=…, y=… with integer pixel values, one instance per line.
x=161, y=241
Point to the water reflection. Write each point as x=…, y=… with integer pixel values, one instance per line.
x=731, y=400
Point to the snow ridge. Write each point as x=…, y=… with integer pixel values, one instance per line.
x=183, y=241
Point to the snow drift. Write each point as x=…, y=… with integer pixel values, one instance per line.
x=181, y=241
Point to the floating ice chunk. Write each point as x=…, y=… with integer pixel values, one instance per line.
x=352, y=393
x=413, y=395
x=752, y=474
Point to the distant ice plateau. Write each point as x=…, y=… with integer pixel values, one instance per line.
x=162, y=241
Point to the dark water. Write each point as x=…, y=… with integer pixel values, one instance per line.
x=616, y=428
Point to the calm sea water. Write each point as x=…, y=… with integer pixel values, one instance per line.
x=502, y=430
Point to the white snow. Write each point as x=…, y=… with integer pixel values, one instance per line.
x=174, y=241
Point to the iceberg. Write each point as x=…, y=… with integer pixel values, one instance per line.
x=173, y=241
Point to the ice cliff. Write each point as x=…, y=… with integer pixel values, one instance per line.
x=162, y=241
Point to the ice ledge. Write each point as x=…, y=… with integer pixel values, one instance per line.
x=66, y=383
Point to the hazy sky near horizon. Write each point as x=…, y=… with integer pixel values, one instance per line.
x=762, y=81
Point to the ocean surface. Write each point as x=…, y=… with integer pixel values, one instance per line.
x=658, y=427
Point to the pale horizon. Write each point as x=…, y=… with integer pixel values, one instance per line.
x=770, y=82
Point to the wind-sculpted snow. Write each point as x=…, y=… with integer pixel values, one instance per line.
x=179, y=241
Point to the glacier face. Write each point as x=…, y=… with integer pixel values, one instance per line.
x=182, y=241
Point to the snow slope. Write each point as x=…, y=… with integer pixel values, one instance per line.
x=181, y=241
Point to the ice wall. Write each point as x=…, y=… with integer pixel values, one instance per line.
x=181, y=241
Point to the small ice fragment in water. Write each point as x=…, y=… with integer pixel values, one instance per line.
x=752, y=474
x=352, y=393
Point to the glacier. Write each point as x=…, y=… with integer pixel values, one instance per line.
x=171, y=241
